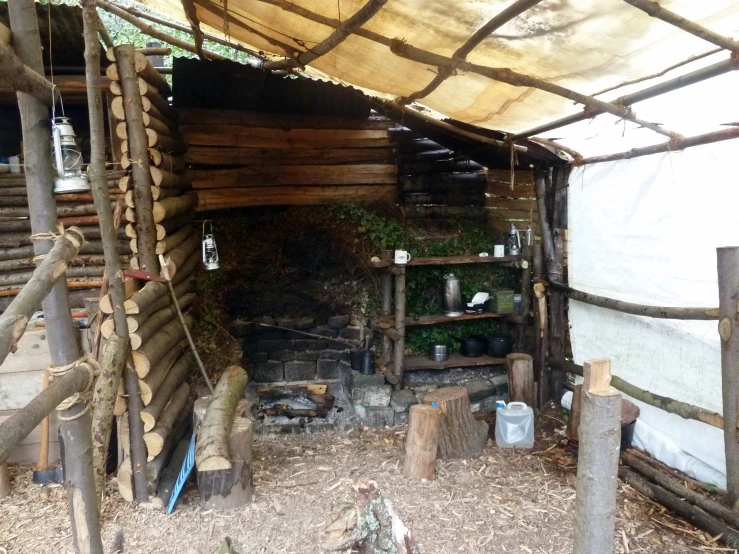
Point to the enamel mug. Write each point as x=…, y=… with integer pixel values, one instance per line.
x=402, y=257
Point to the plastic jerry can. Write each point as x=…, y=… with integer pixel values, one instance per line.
x=514, y=426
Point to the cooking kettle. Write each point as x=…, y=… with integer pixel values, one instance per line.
x=452, y=297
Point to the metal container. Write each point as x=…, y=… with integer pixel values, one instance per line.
x=439, y=352
x=366, y=363
x=452, y=297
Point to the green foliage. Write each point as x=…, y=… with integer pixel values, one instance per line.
x=424, y=284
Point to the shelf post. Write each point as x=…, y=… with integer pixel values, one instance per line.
x=540, y=328
x=386, y=305
x=399, y=348
x=526, y=291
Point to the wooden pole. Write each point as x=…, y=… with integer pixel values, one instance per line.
x=526, y=294
x=597, y=466
x=557, y=324
x=542, y=343
x=136, y=432
x=386, y=304
x=573, y=423
x=422, y=442
x=62, y=334
x=5, y=485
x=115, y=351
x=17, y=75
x=521, y=378
x=399, y=347
x=138, y=152
x=728, y=329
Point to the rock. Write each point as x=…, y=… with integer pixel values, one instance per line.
x=422, y=390
x=307, y=344
x=402, y=400
x=304, y=323
x=273, y=345
x=327, y=369
x=372, y=395
x=376, y=416
x=489, y=404
x=477, y=389
x=357, y=379
x=331, y=355
x=400, y=418
x=307, y=356
x=256, y=357
x=282, y=355
x=499, y=382
x=358, y=321
x=241, y=328
x=272, y=334
x=300, y=371
x=268, y=372
x=324, y=331
x=338, y=321
x=351, y=332
x=286, y=322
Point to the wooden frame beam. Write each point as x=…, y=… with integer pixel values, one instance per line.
x=655, y=10
x=192, y=18
x=512, y=11
x=22, y=78
x=340, y=34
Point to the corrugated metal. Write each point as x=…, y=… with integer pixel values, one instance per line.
x=233, y=86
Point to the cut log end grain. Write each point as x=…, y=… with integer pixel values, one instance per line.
x=461, y=436
x=155, y=438
x=159, y=344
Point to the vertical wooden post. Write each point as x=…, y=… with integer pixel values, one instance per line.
x=61, y=331
x=5, y=487
x=526, y=293
x=422, y=442
x=139, y=154
x=574, y=422
x=399, y=349
x=728, y=329
x=540, y=327
x=597, y=465
x=521, y=378
x=115, y=351
x=386, y=304
x=557, y=300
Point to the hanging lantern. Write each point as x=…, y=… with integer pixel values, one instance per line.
x=513, y=241
x=210, y=252
x=68, y=158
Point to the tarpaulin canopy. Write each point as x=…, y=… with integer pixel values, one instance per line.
x=583, y=45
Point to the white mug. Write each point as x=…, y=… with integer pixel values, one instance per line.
x=402, y=257
x=499, y=251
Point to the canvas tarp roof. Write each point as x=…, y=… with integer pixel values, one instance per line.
x=584, y=45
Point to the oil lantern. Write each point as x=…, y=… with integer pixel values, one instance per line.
x=210, y=252
x=68, y=158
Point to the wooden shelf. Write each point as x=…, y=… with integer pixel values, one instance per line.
x=389, y=321
x=416, y=363
x=449, y=260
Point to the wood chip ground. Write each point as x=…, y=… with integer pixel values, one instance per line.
x=504, y=502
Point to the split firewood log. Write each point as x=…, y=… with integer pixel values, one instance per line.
x=158, y=345
x=157, y=320
x=175, y=377
x=155, y=438
x=151, y=383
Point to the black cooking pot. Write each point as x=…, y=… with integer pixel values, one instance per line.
x=499, y=346
x=472, y=346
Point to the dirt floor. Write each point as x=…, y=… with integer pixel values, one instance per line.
x=505, y=501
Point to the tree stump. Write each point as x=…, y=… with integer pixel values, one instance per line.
x=422, y=442
x=460, y=435
x=224, y=489
x=521, y=378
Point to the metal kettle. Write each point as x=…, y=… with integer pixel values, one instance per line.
x=452, y=297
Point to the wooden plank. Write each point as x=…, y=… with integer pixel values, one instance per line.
x=520, y=190
x=200, y=116
x=525, y=176
x=217, y=155
x=514, y=204
x=216, y=199
x=436, y=319
x=449, y=260
x=455, y=360
x=283, y=175
x=235, y=136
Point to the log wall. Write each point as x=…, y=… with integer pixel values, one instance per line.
x=241, y=159
x=506, y=203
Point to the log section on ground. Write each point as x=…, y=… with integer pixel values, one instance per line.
x=521, y=378
x=461, y=436
x=155, y=438
x=158, y=344
x=285, y=175
x=215, y=199
x=211, y=452
x=224, y=489
x=422, y=442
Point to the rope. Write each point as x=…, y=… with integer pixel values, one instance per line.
x=85, y=395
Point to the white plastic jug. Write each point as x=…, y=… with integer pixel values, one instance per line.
x=514, y=426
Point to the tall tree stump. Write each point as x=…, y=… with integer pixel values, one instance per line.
x=597, y=465
x=521, y=378
x=460, y=434
x=422, y=442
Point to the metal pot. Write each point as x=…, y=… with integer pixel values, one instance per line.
x=472, y=346
x=499, y=346
x=439, y=352
x=452, y=298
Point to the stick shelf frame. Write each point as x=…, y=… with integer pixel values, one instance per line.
x=416, y=363
x=514, y=261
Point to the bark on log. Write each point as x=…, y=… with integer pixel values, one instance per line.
x=137, y=443
x=159, y=344
x=573, y=423
x=158, y=373
x=157, y=193
x=163, y=160
x=225, y=489
x=156, y=321
x=143, y=67
x=63, y=211
x=399, y=345
x=173, y=241
x=116, y=108
x=23, y=277
x=19, y=77
x=178, y=257
x=685, y=510
x=155, y=438
x=175, y=377
x=211, y=452
x=125, y=55
x=386, y=299
x=526, y=294
x=181, y=427
x=168, y=477
x=173, y=144
x=728, y=330
x=141, y=301
x=137, y=320
x=422, y=442
x=521, y=378
x=461, y=436
x=53, y=267
x=597, y=466
x=541, y=336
